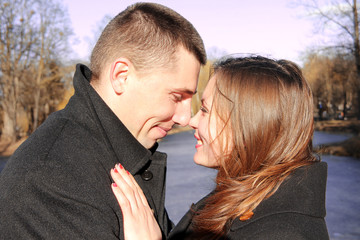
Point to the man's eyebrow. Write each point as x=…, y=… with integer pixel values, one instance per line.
x=186, y=91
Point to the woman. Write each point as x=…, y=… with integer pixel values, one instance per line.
x=255, y=126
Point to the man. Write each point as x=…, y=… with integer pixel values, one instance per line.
x=144, y=71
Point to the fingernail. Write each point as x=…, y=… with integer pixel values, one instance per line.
x=127, y=172
x=114, y=185
x=115, y=170
x=121, y=167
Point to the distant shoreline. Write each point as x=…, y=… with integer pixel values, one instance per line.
x=350, y=147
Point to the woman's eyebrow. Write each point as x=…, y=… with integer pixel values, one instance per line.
x=203, y=102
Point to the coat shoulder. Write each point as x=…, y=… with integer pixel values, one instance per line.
x=59, y=134
x=283, y=226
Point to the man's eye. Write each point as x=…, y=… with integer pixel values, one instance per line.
x=177, y=97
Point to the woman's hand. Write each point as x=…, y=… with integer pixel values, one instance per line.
x=138, y=217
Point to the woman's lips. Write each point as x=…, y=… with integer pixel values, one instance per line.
x=199, y=142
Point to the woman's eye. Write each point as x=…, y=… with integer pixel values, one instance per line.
x=204, y=110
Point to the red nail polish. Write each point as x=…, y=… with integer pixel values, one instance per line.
x=114, y=185
x=121, y=167
x=127, y=172
x=115, y=170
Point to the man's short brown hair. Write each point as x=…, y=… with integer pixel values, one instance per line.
x=147, y=34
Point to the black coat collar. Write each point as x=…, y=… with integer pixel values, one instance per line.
x=127, y=149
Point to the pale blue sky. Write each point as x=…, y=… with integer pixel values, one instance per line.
x=269, y=27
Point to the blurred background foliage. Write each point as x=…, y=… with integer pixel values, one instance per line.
x=36, y=72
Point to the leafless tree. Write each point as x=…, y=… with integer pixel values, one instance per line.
x=339, y=20
x=332, y=78
x=33, y=35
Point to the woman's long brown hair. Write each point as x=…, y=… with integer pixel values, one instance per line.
x=266, y=108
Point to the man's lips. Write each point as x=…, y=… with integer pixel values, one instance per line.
x=163, y=130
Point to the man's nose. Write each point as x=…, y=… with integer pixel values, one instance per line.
x=183, y=114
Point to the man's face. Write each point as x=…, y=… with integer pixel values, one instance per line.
x=161, y=98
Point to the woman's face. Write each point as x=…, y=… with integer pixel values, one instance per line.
x=204, y=124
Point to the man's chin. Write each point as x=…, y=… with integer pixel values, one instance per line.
x=156, y=134
x=149, y=143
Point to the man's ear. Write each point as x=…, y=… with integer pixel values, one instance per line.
x=119, y=73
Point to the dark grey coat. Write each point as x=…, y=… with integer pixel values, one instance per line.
x=57, y=184
x=296, y=211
